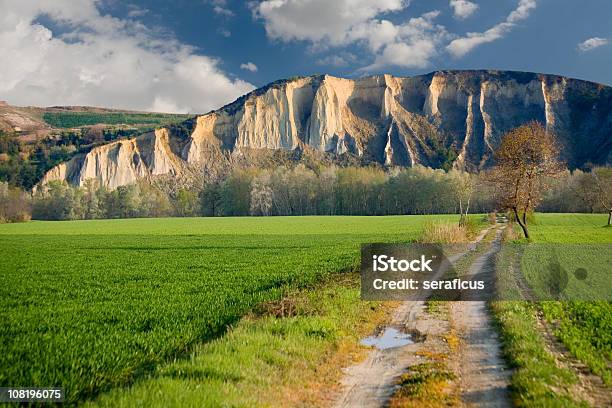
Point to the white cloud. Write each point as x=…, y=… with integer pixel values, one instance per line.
x=415, y=44
x=225, y=12
x=135, y=11
x=320, y=20
x=104, y=61
x=461, y=46
x=355, y=22
x=220, y=8
x=249, y=66
x=592, y=43
x=462, y=9
x=225, y=32
x=333, y=60
x=341, y=59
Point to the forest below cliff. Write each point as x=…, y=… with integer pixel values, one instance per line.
x=24, y=163
x=291, y=190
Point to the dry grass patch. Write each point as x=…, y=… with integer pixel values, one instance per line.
x=426, y=385
x=510, y=233
x=444, y=233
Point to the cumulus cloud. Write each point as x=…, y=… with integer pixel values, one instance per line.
x=220, y=8
x=102, y=60
x=592, y=43
x=462, y=9
x=340, y=23
x=463, y=45
x=320, y=20
x=341, y=59
x=413, y=45
x=225, y=12
x=249, y=66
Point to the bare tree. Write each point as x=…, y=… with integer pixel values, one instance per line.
x=586, y=190
x=603, y=187
x=464, y=185
x=14, y=204
x=261, y=195
x=525, y=161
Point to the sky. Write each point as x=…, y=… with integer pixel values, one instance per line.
x=193, y=56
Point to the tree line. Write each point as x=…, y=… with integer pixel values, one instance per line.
x=285, y=190
x=298, y=191
x=338, y=191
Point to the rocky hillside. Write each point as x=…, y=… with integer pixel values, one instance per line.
x=443, y=119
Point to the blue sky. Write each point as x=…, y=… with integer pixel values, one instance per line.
x=193, y=56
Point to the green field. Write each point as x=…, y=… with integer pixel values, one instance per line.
x=585, y=328
x=570, y=241
x=77, y=119
x=91, y=305
x=571, y=228
x=94, y=306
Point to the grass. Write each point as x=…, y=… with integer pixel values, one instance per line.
x=571, y=229
x=586, y=330
x=584, y=327
x=93, y=305
x=407, y=226
x=77, y=119
x=537, y=380
x=552, y=270
x=264, y=358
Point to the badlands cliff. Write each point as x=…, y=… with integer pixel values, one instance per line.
x=443, y=119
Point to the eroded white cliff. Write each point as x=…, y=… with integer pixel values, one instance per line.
x=391, y=120
x=120, y=163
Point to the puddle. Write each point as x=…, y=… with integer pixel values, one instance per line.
x=390, y=338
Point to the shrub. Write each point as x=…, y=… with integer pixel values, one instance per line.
x=14, y=204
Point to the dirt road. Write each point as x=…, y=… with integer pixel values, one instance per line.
x=483, y=377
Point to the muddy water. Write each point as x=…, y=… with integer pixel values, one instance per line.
x=391, y=337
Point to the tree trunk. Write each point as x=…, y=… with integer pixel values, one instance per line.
x=610, y=217
x=520, y=222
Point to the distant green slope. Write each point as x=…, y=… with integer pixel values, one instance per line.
x=77, y=119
